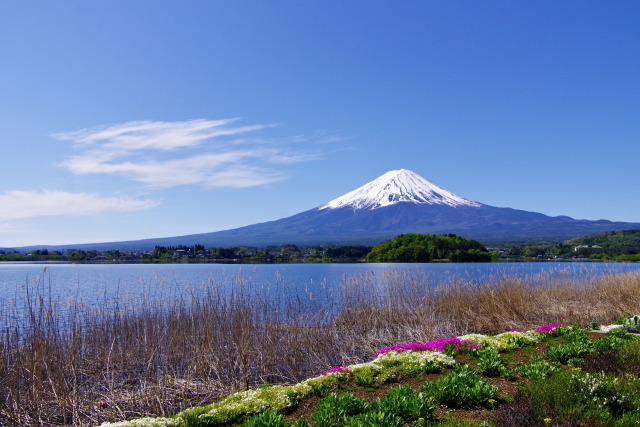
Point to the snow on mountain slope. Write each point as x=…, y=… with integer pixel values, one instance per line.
x=398, y=186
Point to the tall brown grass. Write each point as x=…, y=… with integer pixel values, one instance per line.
x=66, y=363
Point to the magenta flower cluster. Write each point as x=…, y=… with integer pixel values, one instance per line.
x=336, y=369
x=436, y=345
x=548, y=328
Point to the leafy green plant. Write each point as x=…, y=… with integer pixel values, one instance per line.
x=267, y=419
x=374, y=419
x=568, y=353
x=192, y=417
x=366, y=376
x=630, y=353
x=491, y=364
x=320, y=389
x=430, y=367
x=577, y=344
x=614, y=339
x=335, y=408
x=536, y=368
x=462, y=388
x=569, y=332
x=406, y=403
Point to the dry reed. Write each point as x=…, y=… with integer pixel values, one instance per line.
x=73, y=364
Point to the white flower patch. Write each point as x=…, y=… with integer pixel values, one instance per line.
x=414, y=358
x=607, y=328
x=519, y=338
x=249, y=402
x=630, y=324
x=474, y=338
x=146, y=422
x=505, y=340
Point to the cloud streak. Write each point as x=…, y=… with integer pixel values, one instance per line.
x=210, y=153
x=30, y=204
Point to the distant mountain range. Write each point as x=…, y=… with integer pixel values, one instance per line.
x=397, y=202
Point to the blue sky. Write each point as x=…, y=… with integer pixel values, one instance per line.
x=125, y=120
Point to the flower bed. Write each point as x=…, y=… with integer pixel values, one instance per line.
x=390, y=362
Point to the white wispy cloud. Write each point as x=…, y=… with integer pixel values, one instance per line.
x=7, y=227
x=212, y=153
x=31, y=204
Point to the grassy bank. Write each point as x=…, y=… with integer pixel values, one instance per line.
x=64, y=363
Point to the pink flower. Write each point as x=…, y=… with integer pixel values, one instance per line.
x=436, y=345
x=548, y=328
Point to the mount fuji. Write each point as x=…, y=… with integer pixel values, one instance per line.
x=397, y=202
x=401, y=201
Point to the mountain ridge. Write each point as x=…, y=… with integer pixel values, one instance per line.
x=397, y=202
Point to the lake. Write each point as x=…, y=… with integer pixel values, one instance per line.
x=92, y=283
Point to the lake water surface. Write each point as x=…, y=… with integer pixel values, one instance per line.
x=93, y=282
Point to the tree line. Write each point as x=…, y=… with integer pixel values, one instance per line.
x=621, y=245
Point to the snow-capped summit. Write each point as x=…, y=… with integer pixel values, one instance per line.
x=398, y=186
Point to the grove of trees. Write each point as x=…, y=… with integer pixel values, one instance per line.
x=428, y=247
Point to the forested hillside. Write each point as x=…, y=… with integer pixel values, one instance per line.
x=625, y=242
x=615, y=245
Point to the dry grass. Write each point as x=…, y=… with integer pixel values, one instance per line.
x=69, y=364
x=512, y=302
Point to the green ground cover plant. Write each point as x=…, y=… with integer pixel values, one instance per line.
x=406, y=403
x=462, y=388
x=491, y=363
x=536, y=368
x=333, y=410
x=374, y=419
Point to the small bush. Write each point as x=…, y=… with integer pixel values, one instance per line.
x=536, y=368
x=334, y=409
x=491, y=364
x=614, y=340
x=406, y=403
x=462, y=388
x=576, y=345
x=568, y=331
